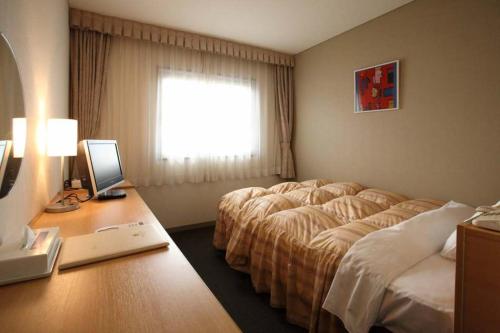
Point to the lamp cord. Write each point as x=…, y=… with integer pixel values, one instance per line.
x=77, y=198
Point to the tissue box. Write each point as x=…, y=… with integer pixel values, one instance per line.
x=33, y=261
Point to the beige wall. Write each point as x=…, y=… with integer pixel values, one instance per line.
x=445, y=141
x=185, y=204
x=38, y=33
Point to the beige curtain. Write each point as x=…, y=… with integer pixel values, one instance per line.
x=285, y=110
x=89, y=54
x=118, y=27
x=139, y=51
x=132, y=114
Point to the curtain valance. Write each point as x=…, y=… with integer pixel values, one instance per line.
x=84, y=20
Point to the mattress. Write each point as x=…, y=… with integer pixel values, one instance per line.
x=427, y=290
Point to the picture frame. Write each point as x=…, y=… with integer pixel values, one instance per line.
x=376, y=88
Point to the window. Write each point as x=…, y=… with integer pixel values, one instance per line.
x=206, y=116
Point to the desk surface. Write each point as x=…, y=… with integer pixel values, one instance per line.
x=154, y=291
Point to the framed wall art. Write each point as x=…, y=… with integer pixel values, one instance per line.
x=376, y=88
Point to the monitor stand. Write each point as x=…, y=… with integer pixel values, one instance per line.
x=112, y=194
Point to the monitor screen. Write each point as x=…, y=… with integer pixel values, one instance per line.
x=105, y=164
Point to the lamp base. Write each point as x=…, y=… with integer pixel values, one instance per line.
x=62, y=208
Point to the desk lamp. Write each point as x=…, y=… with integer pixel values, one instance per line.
x=61, y=142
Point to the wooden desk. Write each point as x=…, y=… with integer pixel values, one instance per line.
x=155, y=291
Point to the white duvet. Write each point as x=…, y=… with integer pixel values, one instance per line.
x=376, y=260
x=412, y=304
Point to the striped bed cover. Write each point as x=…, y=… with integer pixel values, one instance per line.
x=230, y=205
x=312, y=266
x=292, y=236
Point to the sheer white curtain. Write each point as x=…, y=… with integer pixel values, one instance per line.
x=186, y=116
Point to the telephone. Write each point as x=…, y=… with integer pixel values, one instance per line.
x=490, y=217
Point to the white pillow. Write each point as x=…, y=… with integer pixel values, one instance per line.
x=449, y=250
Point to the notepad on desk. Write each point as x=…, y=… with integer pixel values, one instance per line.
x=113, y=243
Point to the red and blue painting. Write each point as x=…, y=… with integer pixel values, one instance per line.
x=376, y=88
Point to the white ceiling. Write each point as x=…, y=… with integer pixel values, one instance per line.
x=289, y=26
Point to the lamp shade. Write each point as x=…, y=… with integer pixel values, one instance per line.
x=18, y=136
x=62, y=137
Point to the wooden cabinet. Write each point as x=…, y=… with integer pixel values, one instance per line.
x=477, y=285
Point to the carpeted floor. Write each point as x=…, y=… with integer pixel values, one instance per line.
x=233, y=289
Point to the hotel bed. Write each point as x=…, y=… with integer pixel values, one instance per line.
x=398, y=278
x=292, y=236
x=230, y=205
x=313, y=266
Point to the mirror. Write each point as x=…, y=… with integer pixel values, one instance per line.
x=12, y=118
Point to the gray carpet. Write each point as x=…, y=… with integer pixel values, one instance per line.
x=233, y=289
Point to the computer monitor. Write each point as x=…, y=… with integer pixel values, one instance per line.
x=100, y=168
